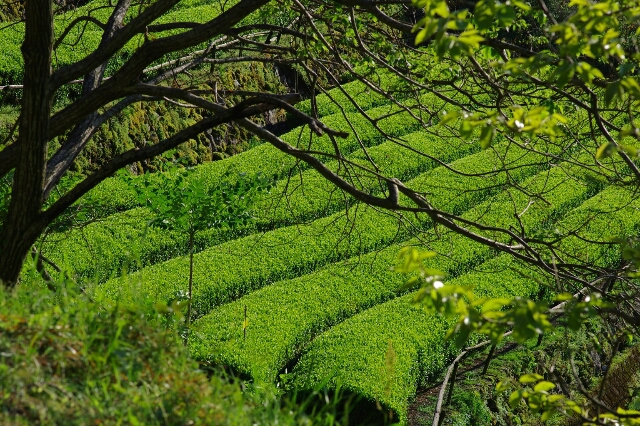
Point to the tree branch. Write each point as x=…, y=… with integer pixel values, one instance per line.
x=138, y=154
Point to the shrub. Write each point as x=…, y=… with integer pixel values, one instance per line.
x=66, y=360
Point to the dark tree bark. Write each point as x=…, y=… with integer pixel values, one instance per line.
x=22, y=226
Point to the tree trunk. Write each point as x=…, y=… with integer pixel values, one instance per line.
x=23, y=223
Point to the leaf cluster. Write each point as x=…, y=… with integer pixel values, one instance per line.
x=185, y=204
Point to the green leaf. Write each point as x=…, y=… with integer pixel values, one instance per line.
x=543, y=387
x=626, y=68
x=506, y=16
x=466, y=129
x=441, y=9
x=563, y=73
x=448, y=116
x=515, y=398
x=521, y=5
x=605, y=150
x=502, y=386
x=422, y=35
x=495, y=304
x=471, y=38
x=486, y=136
x=613, y=91
x=484, y=16
x=462, y=337
x=530, y=378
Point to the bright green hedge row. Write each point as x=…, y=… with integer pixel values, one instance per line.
x=230, y=270
x=285, y=316
x=233, y=277
x=480, y=177
x=263, y=159
x=11, y=38
x=309, y=196
x=613, y=215
x=102, y=248
x=359, y=344
x=489, y=160
x=269, y=161
x=355, y=352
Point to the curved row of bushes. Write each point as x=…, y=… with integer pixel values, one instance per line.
x=102, y=249
x=232, y=269
x=386, y=351
x=83, y=39
x=340, y=100
x=292, y=251
x=115, y=195
x=285, y=316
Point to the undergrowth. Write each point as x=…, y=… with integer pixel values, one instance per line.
x=66, y=360
x=475, y=401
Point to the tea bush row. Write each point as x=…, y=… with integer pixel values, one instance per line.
x=81, y=39
x=336, y=101
x=263, y=159
x=102, y=248
x=232, y=269
x=115, y=195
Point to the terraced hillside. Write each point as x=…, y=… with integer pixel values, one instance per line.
x=312, y=271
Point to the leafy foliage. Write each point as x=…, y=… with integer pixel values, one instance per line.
x=248, y=263
x=525, y=97
x=311, y=246
x=67, y=360
x=186, y=205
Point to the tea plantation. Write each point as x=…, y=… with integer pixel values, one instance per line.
x=312, y=269
x=180, y=264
